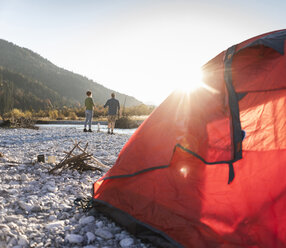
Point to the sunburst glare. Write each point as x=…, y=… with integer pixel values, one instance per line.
x=193, y=82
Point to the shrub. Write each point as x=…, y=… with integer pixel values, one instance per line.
x=60, y=116
x=41, y=113
x=126, y=122
x=72, y=116
x=28, y=114
x=80, y=112
x=53, y=114
x=15, y=113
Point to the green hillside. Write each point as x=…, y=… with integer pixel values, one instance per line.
x=28, y=94
x=37, y=81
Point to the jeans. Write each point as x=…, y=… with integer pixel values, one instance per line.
x=88, y=118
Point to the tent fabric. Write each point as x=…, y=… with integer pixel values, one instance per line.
x=170, y=182
x=273, y=40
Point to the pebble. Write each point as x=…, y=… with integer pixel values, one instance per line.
x=99, y=224
x=90, y=237
x=52, y=217
x=105, y=234
x=36, y=209
x=4, y=227
x=55, y=224
x=52, y=189
x=23, y=241
x=74, y=238
x=25, y=206
x=124, y=243
x=85, y=220
x=24, y=177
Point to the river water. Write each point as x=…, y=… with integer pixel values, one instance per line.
x=95, y=128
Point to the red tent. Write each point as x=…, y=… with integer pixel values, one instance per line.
x=207, y=169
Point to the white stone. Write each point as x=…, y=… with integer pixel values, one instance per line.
x=4, y=227
x=12, y=226
x=67, y=228
x=51, y=182
x=124, y=243
x=52, y=189
x=36, y=208
x=103, y=234
x=52, y=217
x=23, y=241
x=85, y=220
x=24, y=177
x=13, y=191
x=13, y=241
x=63, y=205
x=74, y=238
x=99, y=224
x=55, y=224
x=25, y=206
x=90, y=237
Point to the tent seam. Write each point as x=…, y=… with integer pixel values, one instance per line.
x=166, y=166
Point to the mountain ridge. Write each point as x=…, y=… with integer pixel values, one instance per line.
x=63, y=87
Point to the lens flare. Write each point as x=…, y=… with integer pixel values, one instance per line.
x=192, y=83
x=184, y=171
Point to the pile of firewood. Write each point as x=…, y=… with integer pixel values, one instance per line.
x=79, y=162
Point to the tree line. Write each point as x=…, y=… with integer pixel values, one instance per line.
x=72, y=113
x=23, y=96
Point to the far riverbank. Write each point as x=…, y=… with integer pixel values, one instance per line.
x=122, y=123
x=69, y=122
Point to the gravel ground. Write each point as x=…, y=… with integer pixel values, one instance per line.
x=37, y=209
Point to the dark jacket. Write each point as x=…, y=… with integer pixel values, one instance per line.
x=113, y=106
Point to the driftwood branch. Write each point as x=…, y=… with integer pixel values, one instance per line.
x=95, y=159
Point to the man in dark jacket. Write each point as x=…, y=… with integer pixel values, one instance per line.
x=113, y=110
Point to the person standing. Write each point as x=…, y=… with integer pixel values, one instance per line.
x=89, y=106
x=113, y=110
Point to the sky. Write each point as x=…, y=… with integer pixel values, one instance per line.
x=143, y=48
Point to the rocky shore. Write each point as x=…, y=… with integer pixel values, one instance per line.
x=37, y=208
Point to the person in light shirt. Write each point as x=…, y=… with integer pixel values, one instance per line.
x=89, y=106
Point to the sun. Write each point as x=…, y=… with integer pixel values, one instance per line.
x=192, y=81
